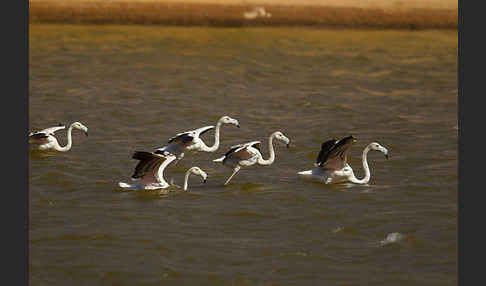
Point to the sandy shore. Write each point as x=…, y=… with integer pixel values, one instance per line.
x=408, y=14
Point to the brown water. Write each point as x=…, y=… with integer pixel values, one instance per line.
x=136, y=86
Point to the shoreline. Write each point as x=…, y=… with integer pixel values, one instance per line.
x=373, y=14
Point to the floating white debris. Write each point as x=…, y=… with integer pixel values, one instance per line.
x=392, y=238
x=338, y=229
x=255, y=13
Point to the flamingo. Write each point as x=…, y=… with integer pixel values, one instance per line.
x=248, y=154
x=331, y=164
x=255, y=13
x=45, y=139
x=191, y=141
x=149, y=172
x=196, y=171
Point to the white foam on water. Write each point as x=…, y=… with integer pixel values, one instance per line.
x=393, y=237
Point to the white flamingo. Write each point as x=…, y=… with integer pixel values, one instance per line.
x=248, y=154
x=191, y=141
x=149, y=172
x=332, y=166
x=45, y=139
x=255, y=13
x=196, y=171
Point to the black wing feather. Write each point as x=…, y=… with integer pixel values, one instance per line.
x=209, y=129
x=256, y=146
x=142, y=155
x=232, y=150
x=39, y=135
x=147, y=160
x=185, y=137
x=326, y=148
x=333, y=148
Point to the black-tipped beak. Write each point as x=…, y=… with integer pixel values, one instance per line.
x=288, y=145
x=386, y=156
x=204, y=181
x=86, y=134
x=238, y=125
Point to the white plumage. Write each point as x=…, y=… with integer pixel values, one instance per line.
x=191, y=140
x=248, y=154
x=331, y=164
x=149, y=172
x=45, y=139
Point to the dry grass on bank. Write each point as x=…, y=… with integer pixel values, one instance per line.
x=172, y=13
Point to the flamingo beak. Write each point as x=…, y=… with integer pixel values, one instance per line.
x=86, y=133
x=384, y=151
x=204, y=181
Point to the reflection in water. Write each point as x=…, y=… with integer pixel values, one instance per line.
x=137, y=86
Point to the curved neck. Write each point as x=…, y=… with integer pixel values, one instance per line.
x=69, y=141
x=366, y=168
x=216, y=140
x=160, y=172
x=270, y=159
x=186, y=179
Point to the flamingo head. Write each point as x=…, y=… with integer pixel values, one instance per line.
x=377, y=147
x=228, y=120
x=80, y=126
x=280, y=136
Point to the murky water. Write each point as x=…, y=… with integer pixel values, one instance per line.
x=136, y=86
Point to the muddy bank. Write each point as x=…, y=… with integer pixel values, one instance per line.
x=353, y=14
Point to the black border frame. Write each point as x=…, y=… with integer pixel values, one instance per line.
x=15, y=211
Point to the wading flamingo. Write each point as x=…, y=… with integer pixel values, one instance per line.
x=149, y=172
x=45, y=139
x=191, y=141
x=331, y=164
x=248, y=154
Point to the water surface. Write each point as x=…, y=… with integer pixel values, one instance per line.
x=137, y=86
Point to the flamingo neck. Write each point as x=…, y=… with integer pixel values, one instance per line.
x=160, y=172
x=271, y=158
x=69, y=141
x=186, y=179
x=366, y=168
x=216, y=140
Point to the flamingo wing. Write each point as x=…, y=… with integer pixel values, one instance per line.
x=38, y=135
x=183, y=138
x=148, y=166
x=38, y=138
x=241, y=151
x=51, y=130
x=333, y=154
x=326, y=148
x=200, y=131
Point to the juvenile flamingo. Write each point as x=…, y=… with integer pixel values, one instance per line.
x=331, y=164
x=248, y=154
x=45, y=139
x=149, y=172
x=191, y=141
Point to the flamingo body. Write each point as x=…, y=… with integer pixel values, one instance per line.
x=45, y=139
x=191, y=140
x=149, y=172
x=331, y=164
x=248, y=154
